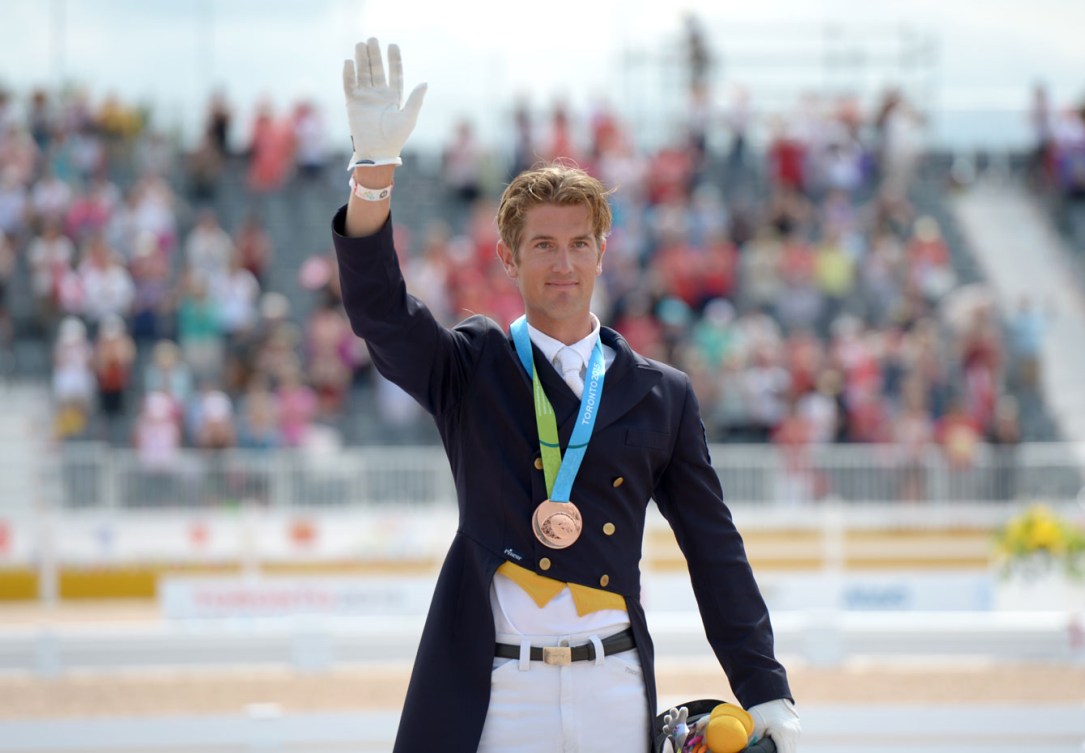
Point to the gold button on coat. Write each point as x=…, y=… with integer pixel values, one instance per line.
x=544, y=563
x=604, y=581
x=608, y=529
x=538, y=464
x=618, y=482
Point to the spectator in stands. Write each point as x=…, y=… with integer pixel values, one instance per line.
x=105, y=286
x=157, y=439
x=213, y=420
x=902, y=145
x=254, y=248
x=913, y=431
x=797, y=482
x=152, y=208
x=1070, y=153
x=114, y=357
x=7, y=330
x=799, y=301
x=19, y=155
x=430, y=272
x=819, y=406
x=154, y=299
x=14, y=203
x=760, y=282
x=329, y=346
x=728, y=418
x=881, y=278
x=199, y=329
x=1027, y=329
x=524, y=153
x=208, y=249
x=713, y=334
x=91, y=209
x=959, y=435
x=311, y=151
x=51, y=256
x=560, y=142
x=1042, y=122
x=49, y=199
x=461, y=166
x=167, y=373
x=766, y=384
x=787, y=159
x=40, y=119
x=834, y=275
x=73, y=379
x=8, y=117
x=929, y=263
x=237, y=292
x=218, y=123
x=981, y=364
x=258, y=425
x=277, y=346
x=204, y=166
x=271, y=151
x=297, y=405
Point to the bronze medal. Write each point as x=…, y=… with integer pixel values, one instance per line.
x=557, y=524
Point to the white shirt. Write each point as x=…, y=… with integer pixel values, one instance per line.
x=515, y=612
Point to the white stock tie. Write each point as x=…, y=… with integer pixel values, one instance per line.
x=570, y=363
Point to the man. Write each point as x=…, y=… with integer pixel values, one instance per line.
x=536, y=640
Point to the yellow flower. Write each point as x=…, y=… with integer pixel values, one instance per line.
x=1045, y=533
x=1037, y=535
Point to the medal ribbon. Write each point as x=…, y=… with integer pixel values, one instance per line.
x=560, y=472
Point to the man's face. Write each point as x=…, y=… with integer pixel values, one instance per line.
x=555, y=268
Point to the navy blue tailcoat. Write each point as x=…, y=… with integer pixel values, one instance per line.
x=648, y=443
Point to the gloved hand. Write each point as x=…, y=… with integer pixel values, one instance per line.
x=379, y=124
x=675, y=726
x=778, y=720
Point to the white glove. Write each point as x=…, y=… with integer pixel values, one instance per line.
x=379, y=124
x=675, y=726
x=778, y=720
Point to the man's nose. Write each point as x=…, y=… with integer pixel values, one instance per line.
x=564, y=259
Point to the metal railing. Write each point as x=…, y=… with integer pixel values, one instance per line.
x=91, y=475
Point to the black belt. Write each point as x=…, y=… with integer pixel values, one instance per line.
x=613, y=644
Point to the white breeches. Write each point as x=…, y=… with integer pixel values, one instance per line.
x=582, y=707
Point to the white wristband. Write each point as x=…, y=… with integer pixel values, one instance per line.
x=370, y=194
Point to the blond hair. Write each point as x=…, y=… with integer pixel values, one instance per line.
x=554, y=183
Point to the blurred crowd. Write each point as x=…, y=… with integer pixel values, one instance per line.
x=808, y=297
x=163, y=328
x=783, y=263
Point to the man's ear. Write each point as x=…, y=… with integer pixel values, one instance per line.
x=599, y=263
x=508, y=261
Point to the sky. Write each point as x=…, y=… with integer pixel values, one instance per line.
x=971, y=65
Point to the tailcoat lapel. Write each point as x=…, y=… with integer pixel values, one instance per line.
x=628, y=380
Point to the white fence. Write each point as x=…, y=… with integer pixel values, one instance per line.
x=930, y=728
x=90, y=475
x=319, y=643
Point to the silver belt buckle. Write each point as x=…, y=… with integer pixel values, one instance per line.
x=557, y=655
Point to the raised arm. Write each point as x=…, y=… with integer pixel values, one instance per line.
x=379, y=127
